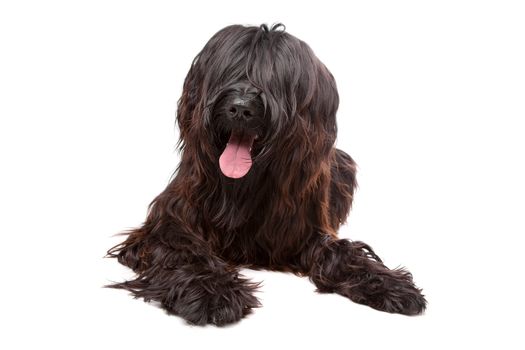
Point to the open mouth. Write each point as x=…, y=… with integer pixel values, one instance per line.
x=236, y=159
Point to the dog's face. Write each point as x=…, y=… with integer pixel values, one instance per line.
x=239, y=122
x=257, y=96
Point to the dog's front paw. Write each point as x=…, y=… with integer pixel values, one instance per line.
x=218, y=299
x=392, y=291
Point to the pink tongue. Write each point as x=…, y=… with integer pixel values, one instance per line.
x=235, y=160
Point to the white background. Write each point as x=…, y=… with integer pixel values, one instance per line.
x=432, y=109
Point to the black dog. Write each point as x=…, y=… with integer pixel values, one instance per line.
x=260, y=185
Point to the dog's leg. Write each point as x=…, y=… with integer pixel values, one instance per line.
x=353, y=270
x=182, y=274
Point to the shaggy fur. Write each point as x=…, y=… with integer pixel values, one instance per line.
x=282, y=215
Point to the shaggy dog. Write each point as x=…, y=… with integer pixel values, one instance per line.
x=260, y=185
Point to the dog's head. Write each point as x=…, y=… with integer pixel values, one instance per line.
x=257, y=96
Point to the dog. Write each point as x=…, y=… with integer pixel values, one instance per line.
x=260, y=185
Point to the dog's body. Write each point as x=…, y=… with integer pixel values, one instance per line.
x=259, y=185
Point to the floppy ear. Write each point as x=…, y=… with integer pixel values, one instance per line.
x=323, y=107
x=188, y=102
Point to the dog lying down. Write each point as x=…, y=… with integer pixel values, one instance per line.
x=260, y=185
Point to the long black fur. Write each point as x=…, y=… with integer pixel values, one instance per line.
x=282, y=215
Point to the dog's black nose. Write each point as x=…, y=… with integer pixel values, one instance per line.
x=241, y=108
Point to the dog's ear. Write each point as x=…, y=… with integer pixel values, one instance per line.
x=324, y=104
x=188, y=102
